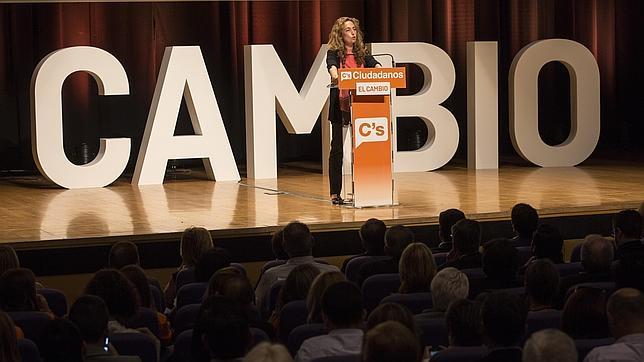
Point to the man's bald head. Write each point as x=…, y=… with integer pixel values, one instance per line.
x=625, y=309
x=597, y=253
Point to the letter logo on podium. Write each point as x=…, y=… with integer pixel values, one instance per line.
x=371, y=130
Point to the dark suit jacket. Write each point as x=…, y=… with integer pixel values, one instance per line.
x=629, y=248
x=478, y=286
x=467, y=261
x=510, y=354
x=518, y=241
x=332, y=58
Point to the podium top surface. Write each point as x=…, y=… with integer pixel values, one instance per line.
x=348, y=78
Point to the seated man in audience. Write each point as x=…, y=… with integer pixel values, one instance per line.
x=500, y=265
x=90, y=315
x=596, y=257
x=541, y=285
x=60, y=341
x=466, y=236
x=372, y=236
x=343, y=317
x=627, y=228
x=124, y=253
x=223, y=329
x=447, y=219
x=397, y=238
x=549, y=345
x=463, y=319
x=503, y=318
x=298, y=244
x=546, y=243
x=448, y=285
x=391, y=341
x=524, y=223
x=625, y=311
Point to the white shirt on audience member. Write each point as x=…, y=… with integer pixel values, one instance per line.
x=339, y=342
x=627, y=348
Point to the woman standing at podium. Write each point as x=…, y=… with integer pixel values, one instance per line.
x=346, y=50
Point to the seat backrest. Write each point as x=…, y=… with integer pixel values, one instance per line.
x=518, y=291
x=239, y=267
x=474, y=273
x=584, y=346
x=182, y=347
x=145, y=318
x=415, y=302
x=186, y=317
x=191, y=293
x=186, y=276
x=378, y=286
x=433, y=331
x=543, y=319
x=525, y=253
x=301, y=334
x=31, y=323
x=272, y=263
x=575, y=255
x=609, y=287
x=157, y=296
x=56, y=301
x=28, y=351
x=271, y=298
x=135, y=344
x=292, y=315
x=258, y=336
x=460, y=354
x=566, y=269
x=352, y=270
x=440, y=258
x=345, y=358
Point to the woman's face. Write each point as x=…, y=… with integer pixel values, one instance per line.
x=349, y=33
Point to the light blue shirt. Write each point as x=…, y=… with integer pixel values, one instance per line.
x=627, y=348
x=339, y=342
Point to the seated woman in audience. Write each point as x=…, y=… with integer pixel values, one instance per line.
x=267, y=352
x=61, y=341
x=541, y=285
x=135, y=274
x=18, y=294
x=194, y=242
x=314, y=298
x=209, y=262
x=584, y=314
x=8, y=339
x=463, y=319
x=372, y=237
x=391, y=341
x=416, y=268
x=8, y=259
x=296, y=287
x=393, y=312
x=120, y=297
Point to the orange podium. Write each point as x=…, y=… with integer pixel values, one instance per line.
x=371, y=130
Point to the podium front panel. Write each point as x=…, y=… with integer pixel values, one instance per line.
x=372, y=151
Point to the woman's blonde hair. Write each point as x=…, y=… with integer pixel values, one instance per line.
x=194, y=242
x=336, y=43
x=314, y=299
x=8, y=259
x=416, y=268
x=267, y=352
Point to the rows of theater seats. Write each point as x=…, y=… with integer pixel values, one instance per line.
x=442, y=295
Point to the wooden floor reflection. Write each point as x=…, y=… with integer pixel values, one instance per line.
x=32, y=212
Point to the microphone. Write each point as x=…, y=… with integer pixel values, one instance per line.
x=393, y=62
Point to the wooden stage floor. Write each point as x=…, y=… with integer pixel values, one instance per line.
x=33, y=211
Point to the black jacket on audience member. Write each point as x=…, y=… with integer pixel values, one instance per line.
x=510, y=354
x=467, y=261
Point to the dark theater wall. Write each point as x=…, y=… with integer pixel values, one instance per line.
x=137, y=33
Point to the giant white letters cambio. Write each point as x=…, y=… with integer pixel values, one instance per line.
x=47, y=117
x=267, y=84
x=440, y=77
x=584, y=102
x=183, y=73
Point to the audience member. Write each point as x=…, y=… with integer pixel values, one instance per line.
x=210, y=261
x=267, y=352
x=89, y=313
x=503, y=318
x=549, y=345
x=123, y=253
x=596, y=258
x=448, y=285
x=391, y=341
x=546, y=243
x=416, y=269
x=397, y=238
x=298, y=244
x=541, y=285
x=627, y=228
x=625, y=311
x=372, y=236
x=277, y=245
x=18, y=294
x=463, y=320
x=343, y=315
x=466, y=239
x=8, y=339
x=195, y=241
x=447, y=219
x=524, y=223
x=314, y=298
x=296, y=287
x=61, y=341
x=222, y=331
x=500, y=264
x=8, y=259
x=393, y=312
x=584, y=314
